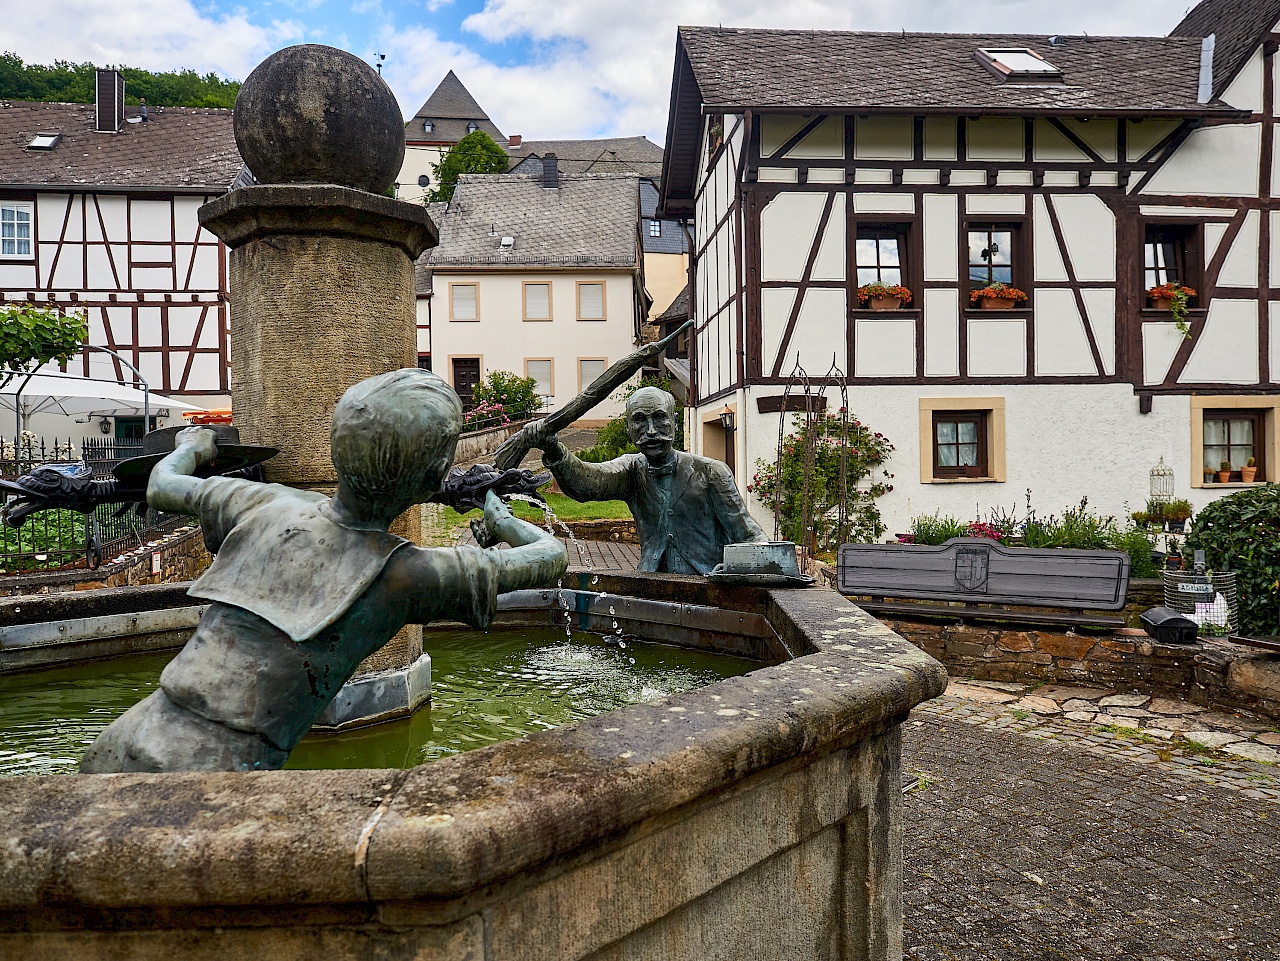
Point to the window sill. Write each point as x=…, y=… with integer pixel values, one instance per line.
x=964, y=480
x=1229, y=484
x=473, y=320
x=538, y=320
x=592, y=320
x=863, y=312
x=998, y=311
x=17, y=259
x=1152, y=313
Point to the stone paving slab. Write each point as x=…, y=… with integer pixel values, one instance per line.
x=1032, y=837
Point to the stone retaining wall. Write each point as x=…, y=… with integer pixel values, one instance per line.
x=183, y=557
x=1212, y=672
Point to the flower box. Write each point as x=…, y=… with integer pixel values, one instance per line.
x=884, y=303
x=995, y=303
x=1162, y=303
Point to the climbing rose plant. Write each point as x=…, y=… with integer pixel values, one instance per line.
x=815, y=520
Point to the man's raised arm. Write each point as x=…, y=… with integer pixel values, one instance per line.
x=171, y=486
x=610, y=481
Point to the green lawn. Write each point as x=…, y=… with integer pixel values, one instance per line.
x=565, y=508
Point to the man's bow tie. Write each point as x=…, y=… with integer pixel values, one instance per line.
x=666, y=470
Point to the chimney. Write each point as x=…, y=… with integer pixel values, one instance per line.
x=514, y=140
x=550, y=172
x=109, y=101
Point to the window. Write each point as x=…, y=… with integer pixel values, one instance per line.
x=990, y=255
x=424, y=362
x=428, y=126
x=1170, y=255
x=464, y=302
x=541, y=371
x=472, y=127
x=878, y=252
x=655, y=228
x=960, y=443
x=44, y=141
x=537, y=301
x=961, y=440
x=15, y=230
x=1234, y=436
x=590, y=368
x=590, y=301
x=1018, y=63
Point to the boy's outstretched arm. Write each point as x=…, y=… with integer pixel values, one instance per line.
x=536, y=558
x=171, y=486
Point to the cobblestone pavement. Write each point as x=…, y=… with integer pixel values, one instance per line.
x=1037, y=836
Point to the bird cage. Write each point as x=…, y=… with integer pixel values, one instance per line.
x=1161, y=483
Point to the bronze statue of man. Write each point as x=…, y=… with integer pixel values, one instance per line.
x=686, y=507
x=304, y=586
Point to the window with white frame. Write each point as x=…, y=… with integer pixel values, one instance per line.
x=589, y=369
x=464, y=302
x=655, y=228
x=537, y=301
x=15, y=229
x=590, y=301
x=540, y=369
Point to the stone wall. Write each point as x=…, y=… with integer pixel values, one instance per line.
x=183, y=557
x=1211, y=672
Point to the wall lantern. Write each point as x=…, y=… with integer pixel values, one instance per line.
x=104, y=425
x=727, y=418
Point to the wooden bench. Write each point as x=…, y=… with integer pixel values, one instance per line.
x=979, y=579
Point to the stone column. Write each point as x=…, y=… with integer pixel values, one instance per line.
x=322, y=292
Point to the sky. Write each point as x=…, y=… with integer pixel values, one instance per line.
x=544, y=69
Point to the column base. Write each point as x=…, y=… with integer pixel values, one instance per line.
x=381, y=696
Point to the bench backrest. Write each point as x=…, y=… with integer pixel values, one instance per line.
x=984, y=571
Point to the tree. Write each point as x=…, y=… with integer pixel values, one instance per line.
x=66, y=82
x=476, y=153
x=31, y=336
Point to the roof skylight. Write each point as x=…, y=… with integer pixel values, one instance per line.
x=1018, y=63
x=44, y=141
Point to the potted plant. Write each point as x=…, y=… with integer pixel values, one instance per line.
x=1224, y=472
x=1249, y=471
x=1155, y=512
x=882, y=296
x=1173, y=297
x=1176, y=515
x=1173, y=555
x=1208, y=475
x=1141, y=518
x=996, y=296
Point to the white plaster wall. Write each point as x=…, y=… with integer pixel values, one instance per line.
x=503, y=340
x=994, y=138
x=1141, y=137
x=885, y=348
x=1051, y=146
x=995, y=204
x=1089, y=231
x=940, y=138
x=824, y=142
x=1245, y=91
x=1213, y=234
x=1227, y=350
x=1099, y=447
x=830, y=262
x=941, y=332
x=941, y=226
x=1240, y=268
x=1100, y=305
x=1273, y=340
x=997, y=348
x=1048, y=259
x=1217, y=161
x=418, y=161
x=884, y=203
x=1098, y=133
x=1062, y=348
x=885, y=138
x=820, y=334
x=775, y=310
x=788, y=224
x=1160, y=342
x=777, y=129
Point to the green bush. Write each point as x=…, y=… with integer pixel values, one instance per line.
x=819, y=445
x=1078, y=528
x=932, y=529
x=1241, y=533
x=1138, y=544
x=517, y=396
x=44, y=532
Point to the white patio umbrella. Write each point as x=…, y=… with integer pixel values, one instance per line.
x=79, y=396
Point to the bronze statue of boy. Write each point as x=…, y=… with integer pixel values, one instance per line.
x=304, y=586
x=686, y=507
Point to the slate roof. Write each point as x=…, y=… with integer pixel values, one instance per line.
x=181, y=147
x=1238, y=28
x=677, y=311
x=891, y=71
x=588, y=221
x=602, y=155
x=451, y=107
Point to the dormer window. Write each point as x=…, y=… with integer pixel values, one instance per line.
x=472, y=127
x=44, y=141
x=428, y=126
x=1018, y=65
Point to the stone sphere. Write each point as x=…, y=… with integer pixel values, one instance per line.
x=316, y=114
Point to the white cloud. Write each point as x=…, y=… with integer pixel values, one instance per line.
x=604, y=68
x=151, y=34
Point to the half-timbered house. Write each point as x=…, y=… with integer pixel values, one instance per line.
x=98, y=213
x=1082, y=170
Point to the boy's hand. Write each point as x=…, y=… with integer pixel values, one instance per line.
x=202, y=439
x=497, y=515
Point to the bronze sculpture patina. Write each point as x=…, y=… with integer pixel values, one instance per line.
x=306, y=586
x=686, y=507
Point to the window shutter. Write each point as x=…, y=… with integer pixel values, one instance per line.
x=464, y=301
x=591, y=301
x=537, y=302
x=589, y=370
x=540, y=371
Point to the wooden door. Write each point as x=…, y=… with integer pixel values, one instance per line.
x=466, y=374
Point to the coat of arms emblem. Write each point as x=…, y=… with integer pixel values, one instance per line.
x=971, y=569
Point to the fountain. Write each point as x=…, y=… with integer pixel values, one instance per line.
x=754, y=817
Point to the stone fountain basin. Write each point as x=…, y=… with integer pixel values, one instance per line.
x=758, y=817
